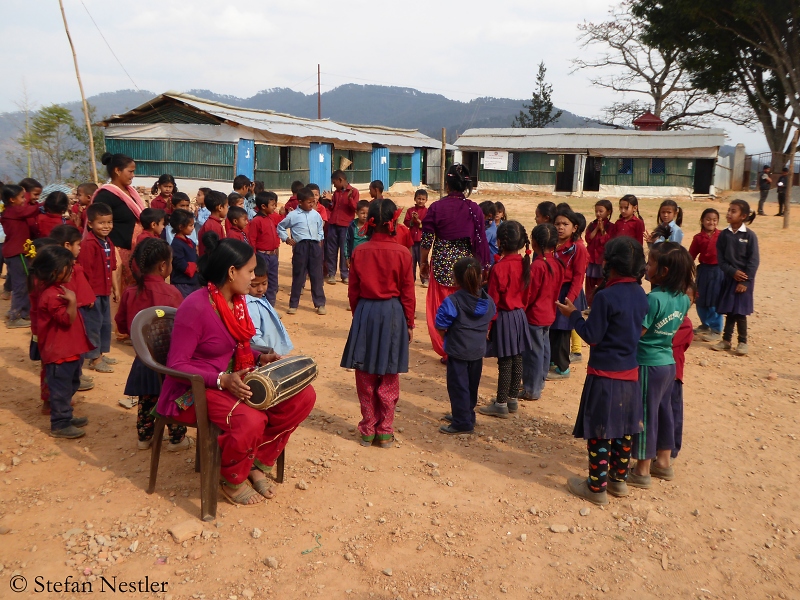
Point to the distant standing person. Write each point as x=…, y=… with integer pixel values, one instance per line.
x=764, y=183
x=343, y=211
x=783, y=182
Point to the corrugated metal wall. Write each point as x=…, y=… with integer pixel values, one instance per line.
x=528, y=168
x=399, y=168
x=319, y=160
x=677, y=172
x=188, y=160
x=268, y=167
x=380, y=165
x=416, y=167
x=360, y=171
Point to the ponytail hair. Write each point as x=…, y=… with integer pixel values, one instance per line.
x=457, y=179
x=511, y=237
x=678, y=211
x=165, y=178
x=221, y=255
x=468, y=273
x=607, y=205
x=744, y=207
x=634, y=202
x=380, y=217
x=546, y=237
x=115, y=162
x=146, y=257
x=625, y=256
x=547, y=210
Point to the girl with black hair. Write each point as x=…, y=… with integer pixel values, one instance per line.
x=382, y=299
x=611, y=410
x=61, y=338
x=500, y=215
x=33, y=190
x=184, y=253
x=55, y=206
x=670, y=271
x=509, y=280
x=201, y=211
x=737, y=253
x=211, y=338
x=457, y=225
x=670, y=219
x=545, y=212
x=15, y=218
x=630, y=222
x=709, y=275
x=35, y=289
x=598, y=233
x=547, y=274
x=151, y=264
x=574, y=257
x=463, y=321
x=166, y=187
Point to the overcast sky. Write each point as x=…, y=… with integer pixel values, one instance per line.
x=462, y=50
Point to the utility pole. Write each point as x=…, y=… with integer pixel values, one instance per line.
x=92, y=159
x=790, y=180
x=319, y=94
x=443, y=167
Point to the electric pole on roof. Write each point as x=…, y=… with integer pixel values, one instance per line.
x=319, y=95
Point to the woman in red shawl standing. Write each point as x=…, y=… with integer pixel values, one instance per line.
x=454, y=228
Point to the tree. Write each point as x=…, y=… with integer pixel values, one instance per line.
x=79, y=156
x=749, y=46
x=653, y=75
x=540, y=109
x=51, y=141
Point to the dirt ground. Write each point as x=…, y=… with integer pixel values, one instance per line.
x=435, y=516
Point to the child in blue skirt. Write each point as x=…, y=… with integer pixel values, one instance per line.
x=670, y=270
x=709, y=275
x=382, y=299
x=737, y=253
x=610, y=411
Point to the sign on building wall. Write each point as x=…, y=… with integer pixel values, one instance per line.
x=495, y=160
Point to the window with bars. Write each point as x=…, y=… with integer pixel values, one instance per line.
x=625, y=166
x=513, y=161
x=658, y=166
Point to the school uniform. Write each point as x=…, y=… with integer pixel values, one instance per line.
x=61, y=343
x=709, y=279
x=145, y=235
x=99, y=260
x=355, y=237
x=215, y=224
x=491, y=239
x=46, y=222
x=84, y=294
x=264, y=239
x=402, y=235
x=80, y=212
x=466, y=319
x=307, y=232
x=16, y=220
x=574, y=257
x=383, y=302
x=168, y=235
x=657, y=371
x=291, y=204
x=611, y=410
x=161, y=203
x=509, y=336
x=202, y=216
x=675, y=235
x=235, y=233
x=270, y=332
x=343, y=211
x=680, y=344
x=737, y=251
x=540, y=312
x=416, y=235
x=184, y=265
x=596, y=246
x=632, y=228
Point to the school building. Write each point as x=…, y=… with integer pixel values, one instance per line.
x=200, y=142
x=593, y=162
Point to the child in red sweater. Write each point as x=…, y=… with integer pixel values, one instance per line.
x=630, y=222
x=165, y=186
x=152, y=220
x=597, y=235
x=217, y=204
x=413, y=221
x=16, y=220
x=237, y=224
x=62, y=338
x=83, y=195
x=265, y=241
x=55, y=205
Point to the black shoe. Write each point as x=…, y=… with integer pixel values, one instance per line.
x=79, y=421
x=69, y=433
x=448, y=417
x=513, y=405
x=449, y=430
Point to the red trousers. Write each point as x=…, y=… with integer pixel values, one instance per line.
x=250, y=435
x=378, y=395
x=436, y=295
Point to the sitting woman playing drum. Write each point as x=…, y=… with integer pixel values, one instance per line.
x=211, y=338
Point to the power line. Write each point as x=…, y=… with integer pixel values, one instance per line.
x=109, y=47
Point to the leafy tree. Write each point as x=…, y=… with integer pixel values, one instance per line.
x=79, y=156
x=540, y=110
x=50, y=141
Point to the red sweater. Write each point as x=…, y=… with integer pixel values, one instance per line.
x=633, y=227
x=80, y=211
x=16, y=220
x=680, y=344
x=46, y=222
x=214, y=224
x=705, y=247
x=343, y=206
x=546, y=278
x=575, y=263
x=597, y=245
x=380, y=269
x=416, y=230
x=263, y=234
x=97, y=264
x=323, y=212
x=403, y=236
x=237, y=234
x=156, y=292
x=161, y=203
x=59, y=339
x=505, y=283
x=143, y=236
x=81, y=286
x=291, y=204
x=276, y=218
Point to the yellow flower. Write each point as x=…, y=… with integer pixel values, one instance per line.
x=29, y=249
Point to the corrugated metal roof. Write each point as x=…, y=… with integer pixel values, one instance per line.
x=287, y=126
x=581, y=141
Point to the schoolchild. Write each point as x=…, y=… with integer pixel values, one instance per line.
x=680, y=344
x=217, y=205
x=165, y=187
x=413, y=221
x=738, y=257
x=33, y=189
x=610, y=411
x=243, y=187
x=382, y=299
x=55, y=207
x=630, y=222
x=376, y=190
x=709, y=275
x=292, y=202
x=357, y=232
x=265, y=241
x=489, y=213
x=318, y=206
x=270, y=332
x=545, y=212
x=306, y=238
x=783, y=183
x=16, y=220
x=184, y=253
x=670, y=270
x=343, y=211
x=670, y=219
x=180, y=201
x=152, y=264
x=500, y=216
x=62, y=338
x=463, y=321
x=547, y=273
x=237, y=224
x=201, y=211
x=83, y=194
x=509, y=337
x=36, y=289
x=598, y=233
x=152, y=220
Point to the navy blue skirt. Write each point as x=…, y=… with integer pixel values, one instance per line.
x=709, y=282
x=142, y=381
x=561, y=321
x=510, y=335
x=731, y=303
x=610, y=409
x=378, y=339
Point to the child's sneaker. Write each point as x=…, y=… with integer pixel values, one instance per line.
x=144, y=444
x=182, y=445
x=87, y=383
x=643, y=482
x=714, y=336
x=579, y=487
x=100, y=366
x=19, y=324
x=557, y=374
x=618, y=489
x=345, y=280
x=495, y=409
x=741, y=349
x=722, y=345
x=291, y=311
x=513, y=405
x=331, y=280
x=667, y=474
x=69, y=433
x=424, y=284
x=575, y=357
x=108, y=360
x=321, y=310
x=702, y=329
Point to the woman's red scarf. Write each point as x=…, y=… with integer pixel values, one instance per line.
x=238, y=324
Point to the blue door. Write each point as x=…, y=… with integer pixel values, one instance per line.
x=380, y=165
x=246, y=159
x=319, y=164
x=416, y=167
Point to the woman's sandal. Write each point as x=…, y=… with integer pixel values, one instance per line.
x=240, y=496
x=386, y=443
x=263, y=487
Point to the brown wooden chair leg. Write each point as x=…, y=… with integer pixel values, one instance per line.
x=197, y=457
x=280, y=466
x=155, y=452
x=209, y=455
